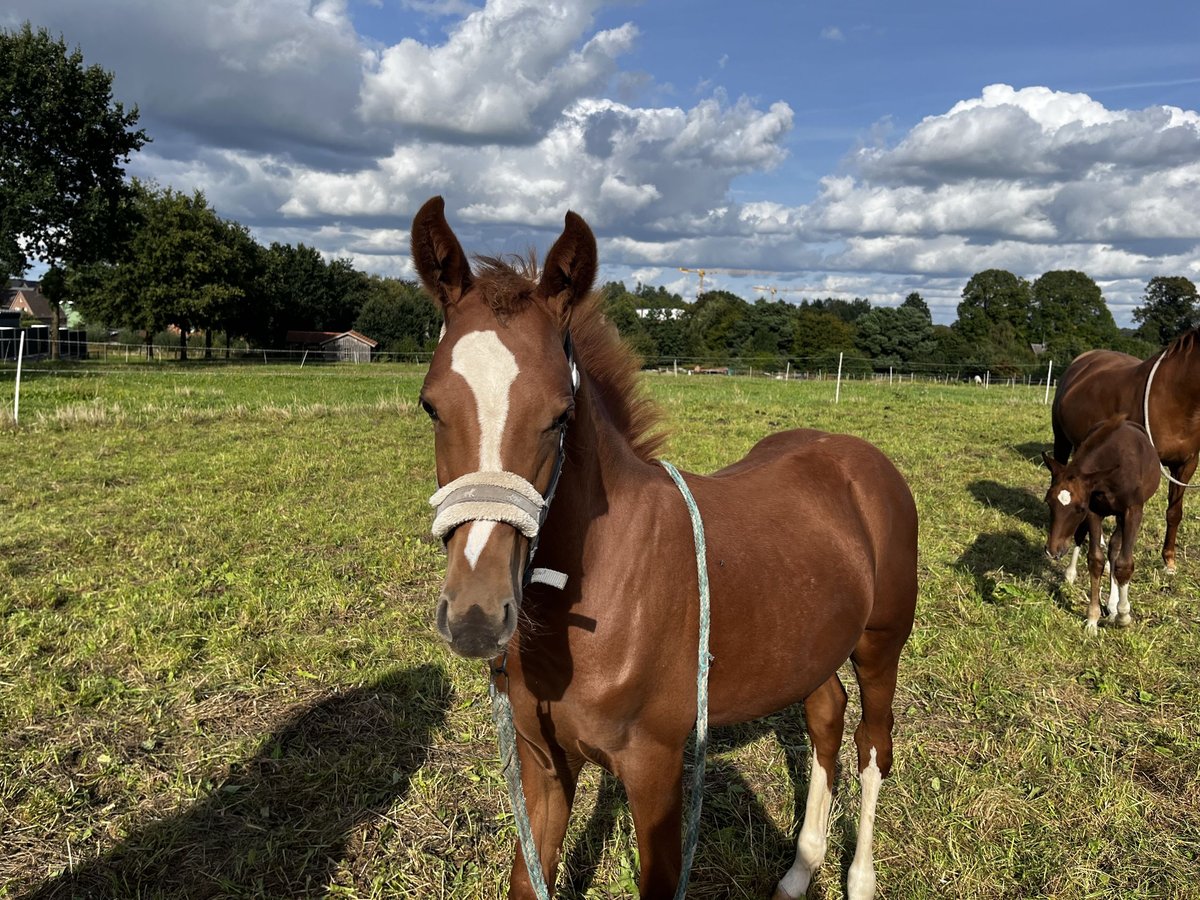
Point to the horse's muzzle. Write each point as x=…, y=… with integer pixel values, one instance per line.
x=476, y=634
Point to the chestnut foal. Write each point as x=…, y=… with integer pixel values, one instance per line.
x=812, y=559
x=1114, y=472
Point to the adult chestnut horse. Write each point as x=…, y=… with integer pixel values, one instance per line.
x=811, y=543
x=1103, y=383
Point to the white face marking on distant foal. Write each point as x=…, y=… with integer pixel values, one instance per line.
x=489, y=369
x=1064, y=497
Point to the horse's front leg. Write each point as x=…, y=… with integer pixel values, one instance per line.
x=1175, y=494
x=1095, y=569
x=1122, y=563
x=653, y=779
x=549, y=780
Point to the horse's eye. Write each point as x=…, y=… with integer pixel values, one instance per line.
x=429, y=410
x=563, y=419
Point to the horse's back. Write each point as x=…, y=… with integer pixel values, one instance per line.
x=1096, y=385
x=806, y=479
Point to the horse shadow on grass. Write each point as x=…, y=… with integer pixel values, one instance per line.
x=282, y=821
x=1020, y=503
x=732, y=818
x=1031, y=451
x=996, y=561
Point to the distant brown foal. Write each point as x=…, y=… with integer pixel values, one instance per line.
x=1103, y=383
x=1114, y=472
x=811, y=542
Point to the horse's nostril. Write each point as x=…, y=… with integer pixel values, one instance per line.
x=510, y=613
x=442, y=619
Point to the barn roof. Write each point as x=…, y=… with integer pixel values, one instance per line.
x=321, y=338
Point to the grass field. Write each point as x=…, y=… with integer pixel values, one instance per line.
x=219, y=676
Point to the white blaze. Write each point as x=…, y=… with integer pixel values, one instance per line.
x=1064, y=497
x=489, y=369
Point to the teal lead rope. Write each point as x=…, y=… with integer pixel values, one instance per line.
x=703, y=660
x=507, y=737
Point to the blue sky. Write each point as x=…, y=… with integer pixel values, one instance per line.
x=847, y=149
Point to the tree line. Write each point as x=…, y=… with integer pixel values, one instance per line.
x=1005, y=324
x=147, y=258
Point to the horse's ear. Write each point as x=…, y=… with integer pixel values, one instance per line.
x=1051, y=463
x=570, y=266
x=437, y=254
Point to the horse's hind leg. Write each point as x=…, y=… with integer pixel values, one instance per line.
x=875, y=659
x=825, y=716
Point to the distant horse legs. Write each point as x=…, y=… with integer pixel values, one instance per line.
x=825, y=716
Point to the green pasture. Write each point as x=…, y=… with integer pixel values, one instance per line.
x=219, y=676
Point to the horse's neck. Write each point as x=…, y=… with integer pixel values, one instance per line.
x=600, y=472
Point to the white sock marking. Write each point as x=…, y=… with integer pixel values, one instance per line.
x=1072, y=572
x=860, y=884
x=490, y=370
x=1114, y=595
x=814, y=834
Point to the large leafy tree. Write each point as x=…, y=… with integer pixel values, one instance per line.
x=183, y=266
x=719, y=326
x=65, y=142
x=1169, y=307
x=818, y=336
x=1068, y=314
x=994, y=302
x=895, y=336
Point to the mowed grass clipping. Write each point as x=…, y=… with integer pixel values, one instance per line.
x=219, y=675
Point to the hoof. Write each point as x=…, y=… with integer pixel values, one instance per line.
x=1124, y=620
x=1092, y=628
x=1171, y=569
x=781, y=894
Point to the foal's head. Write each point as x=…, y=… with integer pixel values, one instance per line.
x=500, y=392
x=1067, y=498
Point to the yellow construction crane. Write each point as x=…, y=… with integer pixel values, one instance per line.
x=773, y=290
x=709, y=271
x=701, y=273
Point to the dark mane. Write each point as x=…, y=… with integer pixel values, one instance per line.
x=1185, y=343
x=508, y=284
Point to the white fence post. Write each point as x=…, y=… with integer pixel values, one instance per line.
x=1049, y=369
x=17, y=393
x=837, y=396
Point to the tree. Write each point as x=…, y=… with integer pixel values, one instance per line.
x=917, y=302
x=399, y=315
x=1169, y=307
x=990, y=299
x=62, y=181
x=719, y=326
x=1068, y=314
x=818, y=336
x=893, y=337
x=183, y=266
